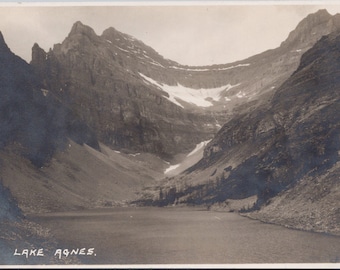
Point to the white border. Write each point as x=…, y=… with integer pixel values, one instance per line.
x=53, y=3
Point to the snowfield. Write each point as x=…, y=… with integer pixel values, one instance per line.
x=198, y=147
x=188, y=161
x=197, y=97
x=171, y=168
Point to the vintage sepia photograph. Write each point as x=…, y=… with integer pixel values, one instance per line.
x=177, y=134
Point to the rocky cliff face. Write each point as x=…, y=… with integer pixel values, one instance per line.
x=136, y=100
x=21, y=106
x=97, y=77
x=32, y=121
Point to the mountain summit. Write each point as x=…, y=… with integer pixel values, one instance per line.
x=311, y=28
x=79, y=28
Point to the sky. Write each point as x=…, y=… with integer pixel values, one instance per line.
x=191, y=33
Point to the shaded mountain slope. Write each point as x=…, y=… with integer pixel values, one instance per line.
x=22, y=107
x=79, y=177
x=34, y=124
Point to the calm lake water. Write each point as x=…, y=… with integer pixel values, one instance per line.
x=184, y=236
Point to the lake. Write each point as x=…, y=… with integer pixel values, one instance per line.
x=183, y=236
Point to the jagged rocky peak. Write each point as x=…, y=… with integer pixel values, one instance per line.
x=79, y=38
x=79, y=28
x=111, y=33
x=114, y=36
x=38, y=55
x=130, y=44
x=316, y=18
x=312, y=27
x=36, y=47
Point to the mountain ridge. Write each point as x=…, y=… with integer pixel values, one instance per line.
x=156, y=90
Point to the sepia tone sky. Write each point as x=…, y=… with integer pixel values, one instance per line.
x=199, y=33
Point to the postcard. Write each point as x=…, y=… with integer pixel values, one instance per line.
x=170, y=134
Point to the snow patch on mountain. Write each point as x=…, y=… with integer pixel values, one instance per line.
x=197, y=97
x=239, y=65
x=122, y=49
x=171, y=168
x=156, y=64
x=152, y=61
x=241, y=94
x=192, y=158
x=198, y=147
x=207, y=69
x=134, y=155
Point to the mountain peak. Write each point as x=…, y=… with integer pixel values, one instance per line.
x=38, y=57
x=314, y=25
x=79, y=28
x=111, y=33
x=318, y=17
x=110, y=30
x=322, y=13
